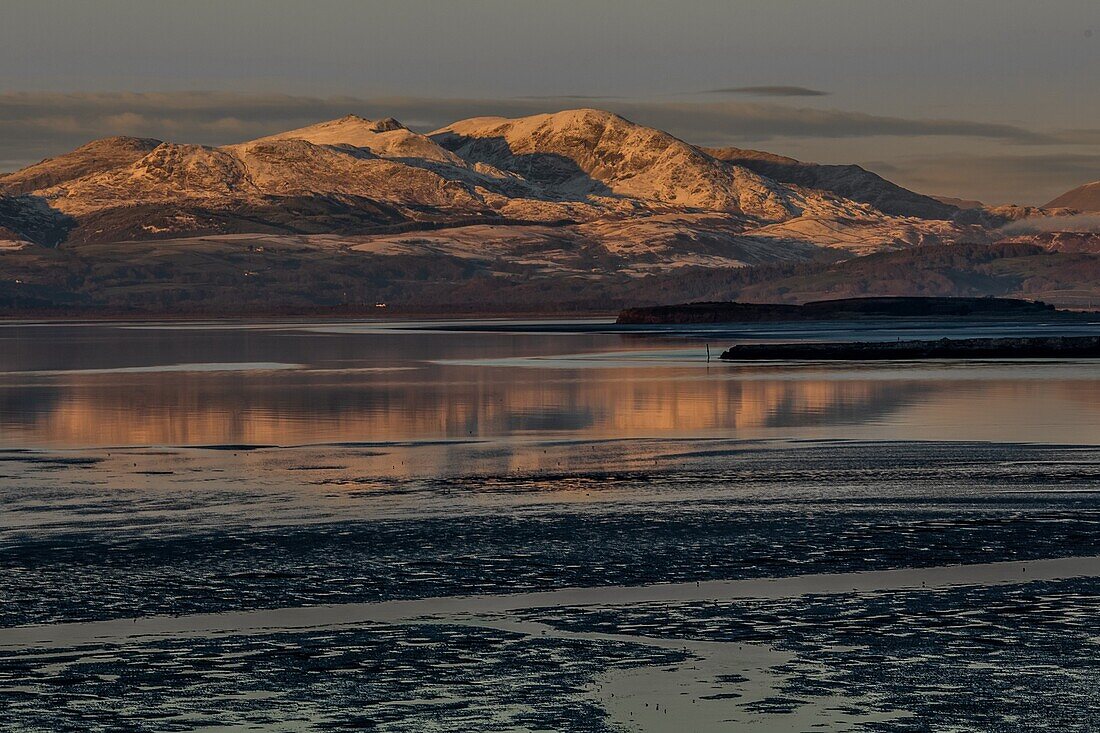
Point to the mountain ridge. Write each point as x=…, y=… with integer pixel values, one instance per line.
x=581, y=165
x=849, y=181
x=567, y=207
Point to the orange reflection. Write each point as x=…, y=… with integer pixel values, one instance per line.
x=478, y=402
x=275, y=409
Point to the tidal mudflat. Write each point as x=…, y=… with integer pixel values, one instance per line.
x=554, y=526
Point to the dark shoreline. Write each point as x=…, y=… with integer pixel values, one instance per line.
x=855, y=309
x=1041, y=347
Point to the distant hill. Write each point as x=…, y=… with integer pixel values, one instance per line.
x=1082, y=198
x=959, y=203
x=265, y=275
x=1052, y=273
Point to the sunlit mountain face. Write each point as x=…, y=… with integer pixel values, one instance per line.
x=578, y=210
x=572, y=210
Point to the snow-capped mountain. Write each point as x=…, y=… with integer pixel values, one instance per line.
x=587, y=170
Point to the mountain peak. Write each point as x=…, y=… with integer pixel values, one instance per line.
x=595, y=152
x=386, y=138
x=350, y=126
x=388, y=124
x=96, y=156
x=586, y=114
x=351, y=120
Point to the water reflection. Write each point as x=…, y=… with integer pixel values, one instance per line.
x=109, y=386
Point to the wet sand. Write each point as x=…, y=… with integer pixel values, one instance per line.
x=283, y=619
x=494, y=527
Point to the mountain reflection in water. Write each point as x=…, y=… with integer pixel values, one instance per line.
x=294, y=384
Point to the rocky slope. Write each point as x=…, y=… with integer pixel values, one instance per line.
x=847, y=181
x=593, y=154
x=596, y=170
x=97, y=156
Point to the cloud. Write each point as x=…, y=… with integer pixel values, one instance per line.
x=38, y=121
x=996, y=179
x=770, y=91
x=1079, y=136
x=1034, y=225
x=719, y=123
x=566, y=96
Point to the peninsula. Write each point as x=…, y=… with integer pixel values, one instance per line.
x=846, y=309
x=1041, y=347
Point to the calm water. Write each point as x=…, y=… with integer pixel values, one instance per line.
x=541, y=526
x=290, y=384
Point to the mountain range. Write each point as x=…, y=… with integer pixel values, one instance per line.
x=575, y=205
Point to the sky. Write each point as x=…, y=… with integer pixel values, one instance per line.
x=993, y=100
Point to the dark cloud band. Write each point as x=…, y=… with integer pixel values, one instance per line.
x=770, y=91
x=39, y=118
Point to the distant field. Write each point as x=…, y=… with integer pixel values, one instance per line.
x=268, y=274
